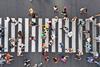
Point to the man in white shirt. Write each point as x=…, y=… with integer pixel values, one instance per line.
x=83, y=10
x=55, y=8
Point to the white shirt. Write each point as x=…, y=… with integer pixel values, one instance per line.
x=55, y=8
x=98, y=38
x=88, y=39
x=82, y=9
x=70, y=34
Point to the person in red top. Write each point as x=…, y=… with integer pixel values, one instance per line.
x=8, y=57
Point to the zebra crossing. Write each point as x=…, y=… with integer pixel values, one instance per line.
x=59, y=37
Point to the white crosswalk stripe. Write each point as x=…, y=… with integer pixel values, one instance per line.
x=87, y=44
x=80, y=36
x=39, y=35
x=26, y=34
x=39, y=28
x=66, y=36
x=0, y=34
x=6, y=22
x=47, y=34
x=59, y=35
x=94, y=34
x=33, y=42
x=74, y=35
x=19, y=37
x=53, y=34
x=13, y=34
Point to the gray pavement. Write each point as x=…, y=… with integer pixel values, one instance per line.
x=19, y=8
x=37, y=58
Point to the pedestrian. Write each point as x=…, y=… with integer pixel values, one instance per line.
x=27, y=62
x=88, y=47
x=70, y=50
x=49, y=23
x=55, y=59
x=78, y=54
x=40, y=64
x=97, y=38
x=32, y=38
x=91, y=19
x=32, y=23
x=69, y=34
x=43, y=36
x=50, y=42
x=88, y=39
x=8, y=58
x=53, y=36
x=90, y=59
x=1, y=33
x=20, y=34
x=20, y=50
x=35, y=65
x=13, y=42
x=64, y=12
x=64, y=58
x=62, y=45
x=55, y=8
x=83, y=11
x=65, y=29
x=46, y=58
x=32, y=13
x=1, y=47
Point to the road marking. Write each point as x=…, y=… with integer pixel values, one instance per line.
x=6, y=34
x=74, y=35
x=19, y=29
x=13, y=34
x=94, y=35
x=59, y=35
x=54, y=33
x=47, y=34
x=66, y=36
x=33, y=42
x=39, y=35
x=26, y=34
x=80, y=36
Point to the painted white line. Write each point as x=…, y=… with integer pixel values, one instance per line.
x=33, y=43
x=74, y=35
x=19, y=51
x=20, y=24
x=54, y=33
x=66, y=36
x=59, y=35
x=39, y=35
x=87, y=26
x=80, y=28
x=94, y=35
x=19, y=29
x=26, y=34
x=99, y=42
x=47, y=34
x=0, y=29
x=13, y=35
x=6, y=35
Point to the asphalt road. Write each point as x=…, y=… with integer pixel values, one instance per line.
x=44, y=8
x=36, y=58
